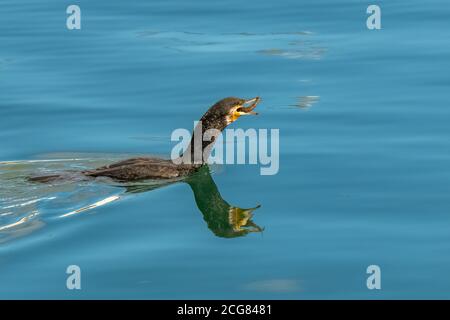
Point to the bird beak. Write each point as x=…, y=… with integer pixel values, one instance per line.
x=247, y=107
x=244, y=109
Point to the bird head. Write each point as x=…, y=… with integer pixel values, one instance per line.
x=228, y=110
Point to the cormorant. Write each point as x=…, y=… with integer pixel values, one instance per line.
x=216, y=118
x=222, y=219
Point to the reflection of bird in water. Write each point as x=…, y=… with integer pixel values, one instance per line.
x=217, y=118
x=223, y=220
x=27, y=205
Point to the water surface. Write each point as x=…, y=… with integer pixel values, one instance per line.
x=364, y=149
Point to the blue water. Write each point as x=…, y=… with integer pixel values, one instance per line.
x=364, y=149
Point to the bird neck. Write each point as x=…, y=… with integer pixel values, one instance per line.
x=203, y=139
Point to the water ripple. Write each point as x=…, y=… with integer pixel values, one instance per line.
x=27, y=206
x=290, y=45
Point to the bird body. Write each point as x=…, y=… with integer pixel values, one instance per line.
x=142, y=169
